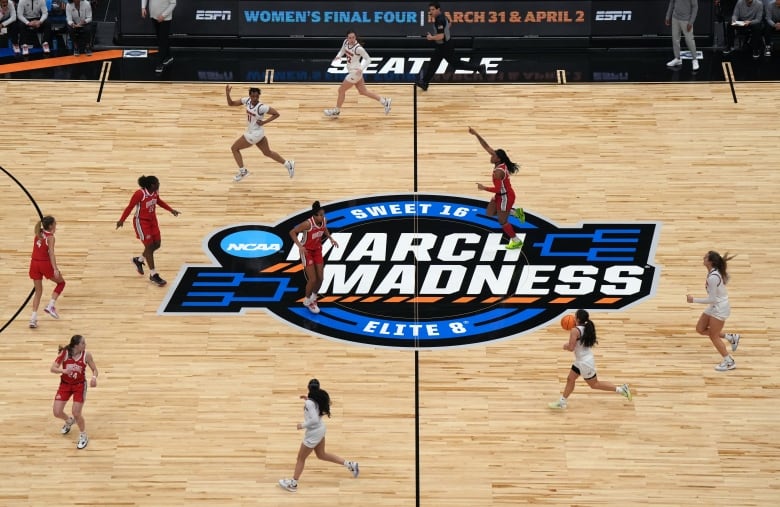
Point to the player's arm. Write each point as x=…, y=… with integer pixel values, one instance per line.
x=56, y=366
x=164, y=205
x=713, y=281
x=230, y=101
x=91, y=363
x=52, y=257
x=302, y=227
x=482, y=142
x=134, y=200
x=339, y=55
x=365, y=60
x=574, y=335
x=327, y=235
x=272, y=115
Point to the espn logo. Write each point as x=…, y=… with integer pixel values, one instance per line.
x=206, y=15
x=613, y=15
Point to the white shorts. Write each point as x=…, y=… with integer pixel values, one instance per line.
x=354, y=76
x=587, y=369
x=254, y=136
x=314, y=436
x=720, y=311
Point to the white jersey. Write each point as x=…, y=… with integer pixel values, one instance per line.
x=583, y=357
x=312, y=423
x=717, y=296
x=254, y=114
x=357, y=57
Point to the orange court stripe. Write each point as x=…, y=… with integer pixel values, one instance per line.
x=371, y=299
x=396, y=299
x=561, y=301
x=607, y=301
x=492, y=300
x=520, y=300
x=58, y=61
x=429, y=299
x=275, y=267
x=350, y=299
x=467, y=299
x=328, y=299
x=294, y=269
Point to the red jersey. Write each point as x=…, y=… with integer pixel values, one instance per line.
x=312, y=239
x=145, y=204
x=41, y=247
x=502, y=186
x=75, y=366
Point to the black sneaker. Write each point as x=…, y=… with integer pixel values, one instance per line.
x=421, y=85
x=482, y=71
x=155, y=278
x=167, y=61
x=139, y=265
x=159, y=68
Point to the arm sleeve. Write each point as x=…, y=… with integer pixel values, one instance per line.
x=11, y=14
x=310, y=414
x=712, y=284
x=20, y=12
x=69, y=13
x=168, y=12
x=88, y=13
x=133, y=202
x=163, y=204
x=44, y=12
x=365, y=60
x=694, y=10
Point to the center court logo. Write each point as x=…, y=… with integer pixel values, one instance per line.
x=422, y=271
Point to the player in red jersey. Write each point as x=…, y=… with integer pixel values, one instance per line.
x=43, y=263
x=500, y=204
x=71, y=364
x=144, y=201
x=310, y=246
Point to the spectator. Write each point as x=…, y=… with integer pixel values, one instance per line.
x=746, y=21
x=681, y=14
x=80, y=26
x=33, y=17
x=161, y=14
x=723, y=10
x=772, y=25
x=8, y=24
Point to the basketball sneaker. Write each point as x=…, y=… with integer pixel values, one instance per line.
x=520, y=214
x=66, y=427
x=155, y=278
x=52, y=311
x=290, y=165
x=312, y=306
x=733, y=339
x=139, y=265
x=83, y=441
x=25, y=49
x=241, y=174
x=727, y=364
x=354, y=468
x=514, y=244
x=625, y=391
x=387, y=101
x=482, y=71
x=332, y=112
x=560, y=404
x=33, y=323
x=421, y=85
x=45, y=47
x=290, y=485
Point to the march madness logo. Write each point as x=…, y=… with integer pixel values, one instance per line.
x=422, y=271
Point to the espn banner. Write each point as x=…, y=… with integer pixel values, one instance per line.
x=405, y=19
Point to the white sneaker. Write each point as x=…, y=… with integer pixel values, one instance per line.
x=83, y=441
x=726, y=364
x=45, y=47
x=33, y=323
x=241, y=174
x=289, y=484
x=387, y=101
x=354, y=468
x=695, y=64
x=25, y=49
x=52, y=311
x=66, y=427
x=290, y=165
x=560, y=404
x=733, y=339
x=625, y=391
x=676, y=62
x=312, y=306
x=333, y=112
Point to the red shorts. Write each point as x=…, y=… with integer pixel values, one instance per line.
x=78, y=391
x=312, y=257
x=504, y=202
x=147, y=231
x=40, y=269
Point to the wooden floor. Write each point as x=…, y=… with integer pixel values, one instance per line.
x=202, y=410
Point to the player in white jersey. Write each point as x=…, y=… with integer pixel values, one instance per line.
x=582, y=339
x=255, y=134
x=357, y=62
x=714, y=317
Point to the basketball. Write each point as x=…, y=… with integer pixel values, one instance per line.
x=568, y=322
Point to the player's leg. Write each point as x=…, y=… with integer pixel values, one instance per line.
x=342, y=95
x=326, y=456
x=303, y=453
x=268, y=152
x=363, y=90
x=240, y=144
x=36, y=302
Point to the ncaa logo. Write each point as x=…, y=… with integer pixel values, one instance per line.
x=422, y=271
